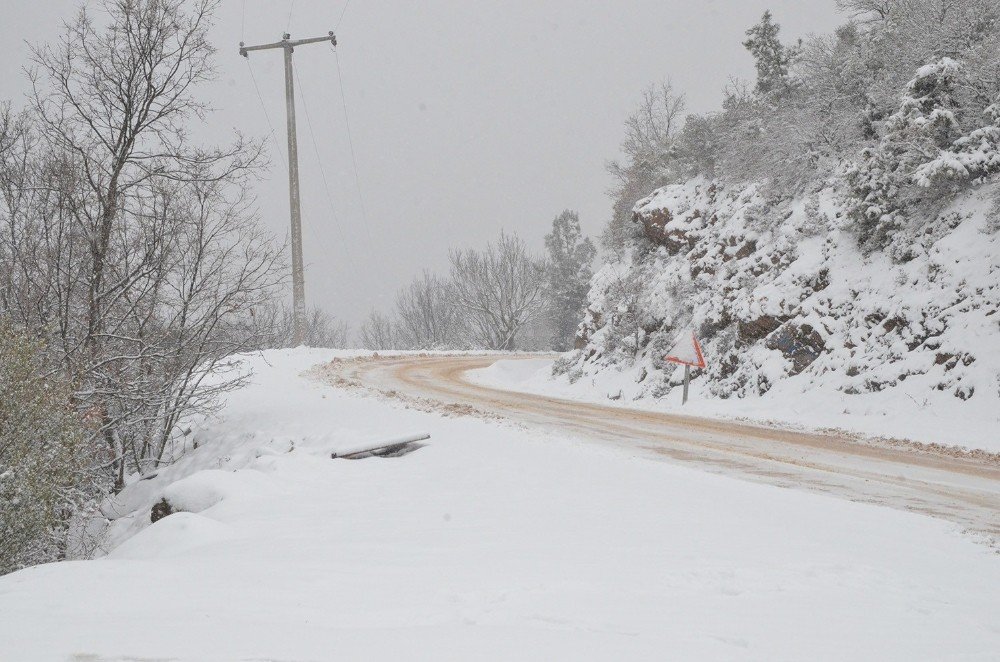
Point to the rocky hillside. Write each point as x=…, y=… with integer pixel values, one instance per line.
x=780, y=294
x=830, y=234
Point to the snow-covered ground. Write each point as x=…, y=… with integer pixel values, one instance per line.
x=492, y=542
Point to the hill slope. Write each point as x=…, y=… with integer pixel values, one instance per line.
x=799, y=323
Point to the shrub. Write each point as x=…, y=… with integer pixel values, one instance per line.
x=47, y=469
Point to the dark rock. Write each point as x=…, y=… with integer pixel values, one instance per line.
x=893, y=323
x=711, y=328
x=799, y=344
x=161, y=509
x=821, y=281
x=874, y=318
x=942, y=357
x=729, y=365
x=751, y=331
x=654, y=227
x=746, y=250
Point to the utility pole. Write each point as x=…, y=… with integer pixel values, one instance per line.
x=298, y=271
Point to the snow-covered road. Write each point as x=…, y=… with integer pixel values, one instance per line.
x=961, y=487
x=497, y=541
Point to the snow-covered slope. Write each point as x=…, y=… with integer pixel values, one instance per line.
x=490, y=543
x=797, y=323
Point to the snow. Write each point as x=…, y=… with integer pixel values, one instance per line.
x=686, y=350
x=904, y=349
x=492, y=542
x=946, y=66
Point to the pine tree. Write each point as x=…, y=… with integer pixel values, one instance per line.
x=771, y=57
x=972, y=157
x=568, y=272
x=883, y=180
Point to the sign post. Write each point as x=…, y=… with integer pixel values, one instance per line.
x=687, y=352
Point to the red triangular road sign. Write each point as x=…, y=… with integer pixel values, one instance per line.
x=687, y=351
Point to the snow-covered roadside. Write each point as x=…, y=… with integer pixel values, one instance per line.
x=490, y=543
x=798, y=323
x=889, y=414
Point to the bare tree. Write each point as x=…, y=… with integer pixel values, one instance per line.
x=378, y=332
x=869, y=9
x=220, y=265
x=426, y=318
x=651, y=157
x=498, y=291
x=324, y=330
x=275, y=324
x=137, y=254
x=650, y=130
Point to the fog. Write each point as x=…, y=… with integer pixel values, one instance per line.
x=466, y=118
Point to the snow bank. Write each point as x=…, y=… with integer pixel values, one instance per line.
x=516, y=371
x=177, y=535
x=491, y=543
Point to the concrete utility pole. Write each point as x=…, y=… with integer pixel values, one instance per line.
x=298, y=271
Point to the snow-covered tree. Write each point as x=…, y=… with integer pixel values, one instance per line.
x=497, y=291
x=651, y=157
x=568, y=272
x=698, y=145
x=426, y=316
x=926, y=123
x=772, y=58
x=379, y=332
x=972, y=157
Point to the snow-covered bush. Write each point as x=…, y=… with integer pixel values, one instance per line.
x=47, y=464
x=970, y=158
x=884, y=180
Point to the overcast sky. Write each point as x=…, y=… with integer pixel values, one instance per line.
x=467, y=117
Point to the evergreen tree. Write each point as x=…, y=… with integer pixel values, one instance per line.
x=568, y=272
x=925, y=126
x=771, y=57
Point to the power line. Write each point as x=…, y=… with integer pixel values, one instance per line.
x=342, y=12
x=267, y=117
x=354, y=158
x=291, y=8
x=326, y=185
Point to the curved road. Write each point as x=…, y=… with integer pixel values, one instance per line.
x=962, y=489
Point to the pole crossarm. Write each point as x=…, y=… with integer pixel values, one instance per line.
x=288, y=42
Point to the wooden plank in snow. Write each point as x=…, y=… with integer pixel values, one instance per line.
x=384, y=447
